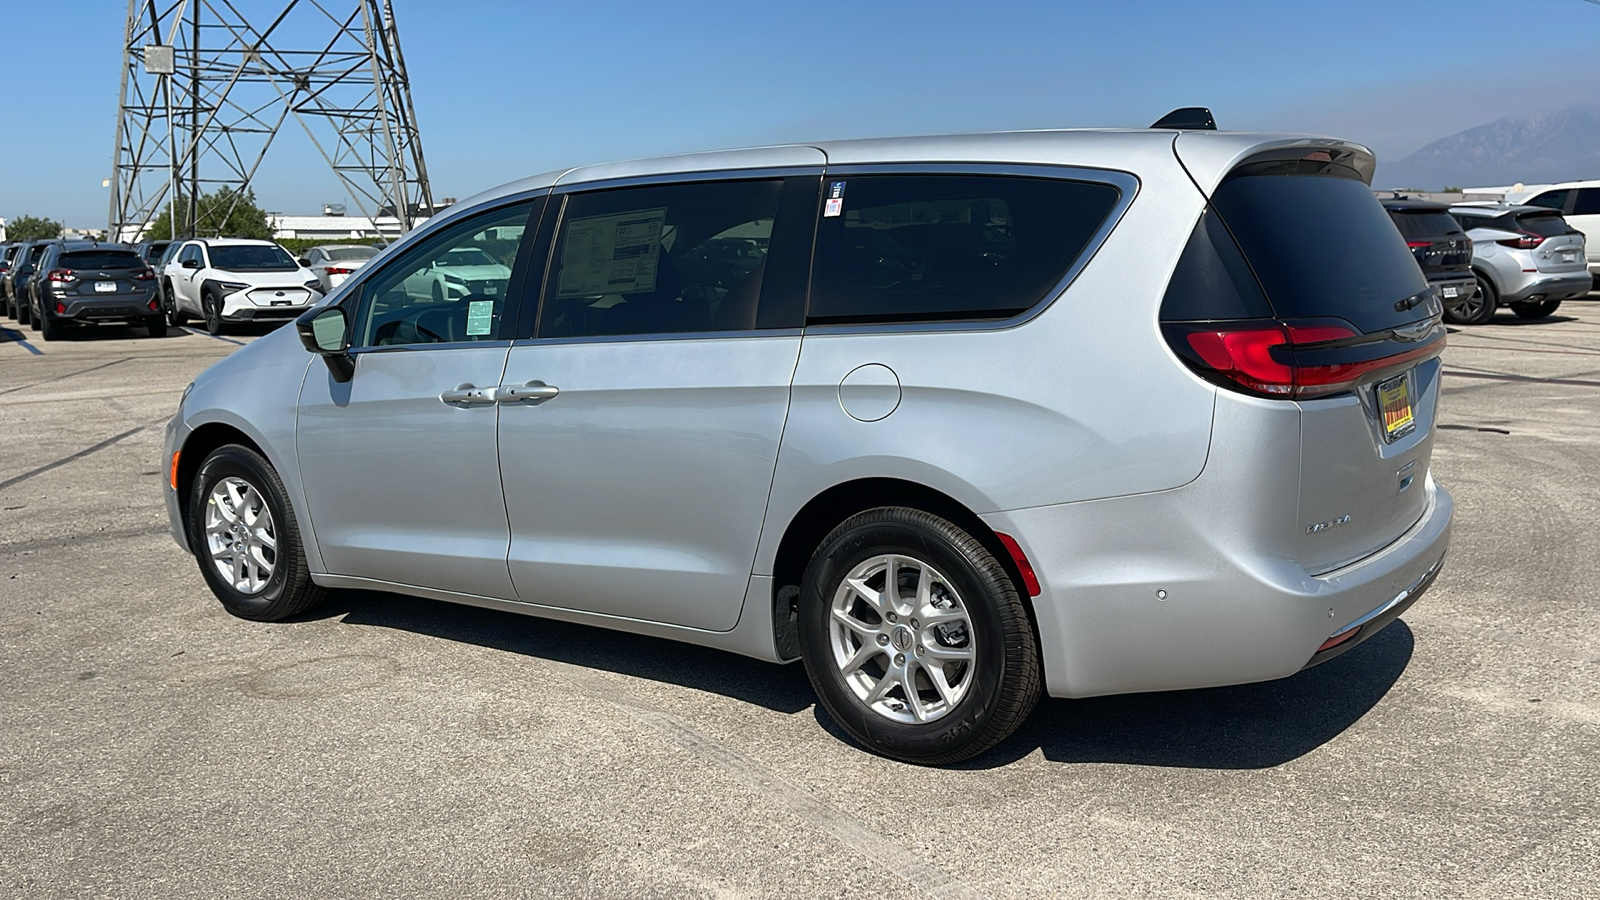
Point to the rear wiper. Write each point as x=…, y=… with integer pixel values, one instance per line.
x=1412, y=301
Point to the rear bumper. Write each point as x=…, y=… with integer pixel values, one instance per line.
x=89, y=309
x=1464, y=287
x=1563, y=286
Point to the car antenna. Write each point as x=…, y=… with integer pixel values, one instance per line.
x=1189, y=118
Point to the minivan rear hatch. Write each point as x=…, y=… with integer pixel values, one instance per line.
x=1330, y=312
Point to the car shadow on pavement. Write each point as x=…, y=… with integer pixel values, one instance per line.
x=1250, y=726
x=780, y=688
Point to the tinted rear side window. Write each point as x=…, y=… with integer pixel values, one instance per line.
x=1322, y=246
x=101, y=259
x=1212, y=280
x=908, y=248
x=1544, y=224
x=1424, y=225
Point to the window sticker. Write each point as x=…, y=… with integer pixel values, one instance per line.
x=480, y=316
x=835, y=205
x=612, y=254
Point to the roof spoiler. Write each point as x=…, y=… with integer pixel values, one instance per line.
x=1190, y=118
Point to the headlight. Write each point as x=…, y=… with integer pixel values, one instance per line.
x=314, y=285
x=229, y=287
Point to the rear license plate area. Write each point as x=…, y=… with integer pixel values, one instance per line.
x=105, y=287
x=1450, y=293
x=1394, y=407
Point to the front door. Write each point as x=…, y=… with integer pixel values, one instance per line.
x=637, y=467
x=400, y=466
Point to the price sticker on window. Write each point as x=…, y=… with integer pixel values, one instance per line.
x=480, y=317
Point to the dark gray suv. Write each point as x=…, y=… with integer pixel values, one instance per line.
x=81, y=282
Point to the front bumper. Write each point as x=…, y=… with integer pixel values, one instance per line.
x=176, y=434
x=263, y=313
x=1563, y=286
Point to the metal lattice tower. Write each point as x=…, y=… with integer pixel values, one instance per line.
x=205, y=92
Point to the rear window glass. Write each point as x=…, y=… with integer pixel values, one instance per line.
x=1322, y=246
x=1424, y=225
x=1212, y=280
x=101, y=259
x=351, y=252
x=246, y=257
x=906, y=248
x=1544, y=224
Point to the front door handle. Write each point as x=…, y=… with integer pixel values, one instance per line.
x=533, y=393
x=467, y=395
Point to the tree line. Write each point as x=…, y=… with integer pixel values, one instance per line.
x=225, y=212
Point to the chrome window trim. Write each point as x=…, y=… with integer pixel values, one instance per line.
x=442, y=345
x=1126, y=183
x=663, y=336
x=695, y=177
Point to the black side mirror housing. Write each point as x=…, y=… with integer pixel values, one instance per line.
x=306, y=263
x=190, y=264
x=325, y=331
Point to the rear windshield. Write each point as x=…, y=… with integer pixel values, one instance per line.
x=1544, y=224
x=251, y=257
x=1424, y=225
x=101, y=259
x=1322, y=246
x=351, y=252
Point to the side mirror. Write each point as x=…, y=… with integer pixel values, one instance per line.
x=325, y=331
x=305, y=263
x=190, y=264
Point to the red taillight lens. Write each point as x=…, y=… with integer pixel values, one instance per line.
x=1528, y=241
x=152, y=305
x=339, y=270
x=61, y=308
x=146, y=275
x=1273, y=358
x=1338, y=639
x=1418, y=245
x=62, y=275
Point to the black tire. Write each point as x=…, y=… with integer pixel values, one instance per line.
x=49, y=328
x=24, y=314
x=1541, y=310
x=212, y=307
x=1003, y=682
x=176, y=318
x=288, y=591
x=11, y=309
x=1477, y=309
x=156, y=326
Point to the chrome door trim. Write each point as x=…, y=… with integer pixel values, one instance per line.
x=666, y=336
x=774, y=174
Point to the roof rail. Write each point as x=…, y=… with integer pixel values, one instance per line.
x=1189, y=118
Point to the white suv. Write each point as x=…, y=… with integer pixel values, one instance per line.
x=221, y=280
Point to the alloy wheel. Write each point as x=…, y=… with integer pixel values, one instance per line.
x=902, y=639
x=240, y=535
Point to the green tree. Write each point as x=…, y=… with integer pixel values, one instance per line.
x=32, y=228
x=225, y=212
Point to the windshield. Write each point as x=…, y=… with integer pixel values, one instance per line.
x=101, y=259
x=1322, y=246
x=347, y=253
x=251, y=257
x=467, y=256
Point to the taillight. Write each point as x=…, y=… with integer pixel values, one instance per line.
x=1527, y=241
x=1283, y=359
x=62, y=275
x=146, y=275
x=1418, y=245
x=338, y=270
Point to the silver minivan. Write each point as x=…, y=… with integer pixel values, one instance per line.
x=952, y=420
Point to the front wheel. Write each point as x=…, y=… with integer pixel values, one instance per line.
x=1540, y=310
x=1476, y=310
x=176, y=317
x=915, y=638
x=245, y=537
x=211, y=305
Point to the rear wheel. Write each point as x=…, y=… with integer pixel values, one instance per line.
x=245, y=537
x=1538, y=310
x=175, y=317
x=50, y=329
x=11, y=308
x=24, y=316
x=915, y=638
x=156, y=326
x=1476, y=310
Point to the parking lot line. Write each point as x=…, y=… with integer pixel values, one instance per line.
x=15, y=479
x=13, y=336
x=215, y=336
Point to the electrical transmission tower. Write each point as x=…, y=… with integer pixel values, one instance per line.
x=205, y=91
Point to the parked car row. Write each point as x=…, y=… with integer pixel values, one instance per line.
x=50, y=285
x=1482, y=256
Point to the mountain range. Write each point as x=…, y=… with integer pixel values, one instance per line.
x=1544, y=147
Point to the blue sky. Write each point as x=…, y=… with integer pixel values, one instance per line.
x=509, y=89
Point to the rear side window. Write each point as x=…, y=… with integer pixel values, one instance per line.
x=909, y=248
x=1212, y=280
x=1544, y=224
x=1322, y=246
x=1424, y=225
x=1588, y=203
x=101, y=259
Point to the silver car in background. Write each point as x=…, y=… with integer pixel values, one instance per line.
x=1525, y=257
x=991, y=415
x=333, y=263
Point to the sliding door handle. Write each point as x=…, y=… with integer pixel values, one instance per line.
x=533, y=393
x=467, y=395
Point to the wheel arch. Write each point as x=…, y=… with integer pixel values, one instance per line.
x=198, y=445
x=823, y=512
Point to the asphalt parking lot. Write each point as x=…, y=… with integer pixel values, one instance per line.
x=153, y=746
